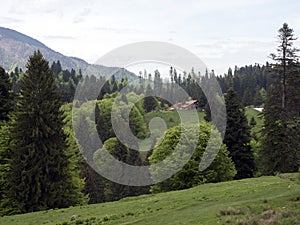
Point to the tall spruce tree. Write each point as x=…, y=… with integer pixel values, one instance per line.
x=6, y=95
x=279, y=143
x=285, y=63
x=40, y=176
x=237, y=137
x=281, y=134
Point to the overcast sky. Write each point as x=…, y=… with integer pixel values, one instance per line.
x=223, y=33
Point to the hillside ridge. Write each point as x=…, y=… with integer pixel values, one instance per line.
x=16, y=47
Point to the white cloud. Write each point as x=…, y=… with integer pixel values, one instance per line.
x=59, y=37
x=213, y=5
x=221, y=32
x=220, y=54
x=9, y=20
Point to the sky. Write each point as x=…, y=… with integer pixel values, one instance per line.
x=222, y=33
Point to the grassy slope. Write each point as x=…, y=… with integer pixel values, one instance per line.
x=172, y=118
x=259, y=198
x=250, y=112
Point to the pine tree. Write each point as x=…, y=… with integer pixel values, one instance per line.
x=247, y=98
x=285, y=59
x=6, y=95
x=275, y=154
x=149, y=101
x=280, y=137
x=40, y=176
x=280, y=144
x=7, y=206
x=94, y=183
x=237, y=137
x=56, y=68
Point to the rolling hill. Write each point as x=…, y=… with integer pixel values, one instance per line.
x=263, y=200
x=15, y=48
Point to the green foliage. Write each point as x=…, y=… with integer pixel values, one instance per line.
x=40, y=175
x=247, y=81
x=7, y=206
x=280, y=139
x=75, y=159
x=247, y=98
x=150, y=102
x=114, y=191
x=103, y=119
x=285, y=62
x=56, y=68
x=66, y=82
x=237, y=137
x=280, y=144
x=6, y=95
x=93, y=186
x=120, y=152
x=221, y=169
x=99, y=188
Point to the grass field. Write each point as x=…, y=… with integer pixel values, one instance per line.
x=172, y=118
x=264, y=200
x=250, y=112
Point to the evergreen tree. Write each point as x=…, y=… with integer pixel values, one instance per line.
x=157, y=82
x=280, y=144
x=104, y=90
x=285, y=59
x=258, y=99
x=237, y=137
x=149, y=101
x=113, y=84
x=6, y=95
x=7, y=206
x=247, y=98
x=40, y=172
x=280, y=138
x=94, y=183
x=273, y=142
x=247, y=82
x=56, y=68
x=94, y=187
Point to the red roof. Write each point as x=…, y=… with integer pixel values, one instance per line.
x=182, y=105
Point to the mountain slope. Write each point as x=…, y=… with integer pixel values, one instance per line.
x=15, y=48
x=263, y=200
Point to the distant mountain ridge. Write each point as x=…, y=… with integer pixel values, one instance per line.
x=15, y=49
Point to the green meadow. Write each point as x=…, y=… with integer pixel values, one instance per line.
x=264, y=200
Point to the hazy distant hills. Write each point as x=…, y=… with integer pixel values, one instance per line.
x=15, y=49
